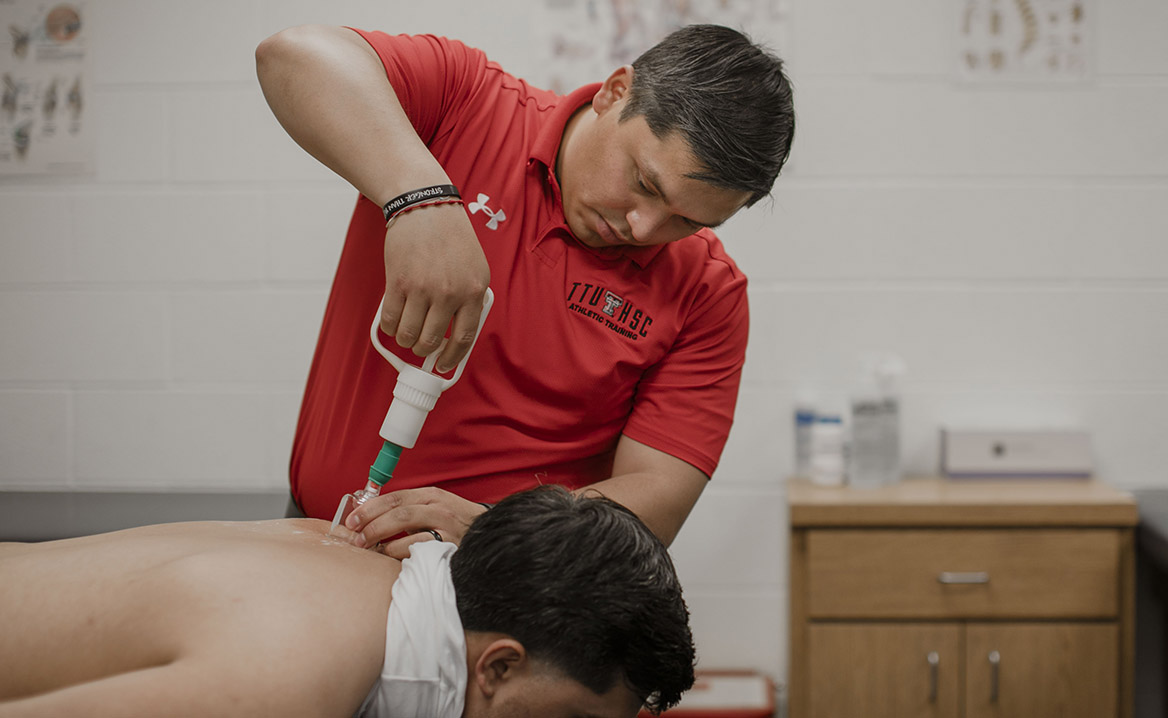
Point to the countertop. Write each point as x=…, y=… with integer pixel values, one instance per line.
x=930, y=501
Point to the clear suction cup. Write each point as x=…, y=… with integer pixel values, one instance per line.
x=349, y=503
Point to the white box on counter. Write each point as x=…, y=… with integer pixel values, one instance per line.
x=970, y=452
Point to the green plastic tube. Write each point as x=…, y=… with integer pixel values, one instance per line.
x=382, y=468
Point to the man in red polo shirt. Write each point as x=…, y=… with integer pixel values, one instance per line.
x=612, y=356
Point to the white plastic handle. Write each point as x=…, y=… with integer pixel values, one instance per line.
x=398, y=363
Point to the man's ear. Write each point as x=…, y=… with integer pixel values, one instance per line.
x=502, y=660
x=614, y=89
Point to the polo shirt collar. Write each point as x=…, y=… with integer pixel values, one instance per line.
x=544, y=151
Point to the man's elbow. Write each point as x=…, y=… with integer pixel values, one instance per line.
x=275, y=50
x=293, y=48
x=313, y=53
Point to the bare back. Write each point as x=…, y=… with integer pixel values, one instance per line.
x=270, y=610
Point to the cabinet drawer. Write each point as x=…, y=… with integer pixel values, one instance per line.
x=963, y=573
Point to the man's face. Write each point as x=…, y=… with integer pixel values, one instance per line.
x=549, y=694
x=624, y=186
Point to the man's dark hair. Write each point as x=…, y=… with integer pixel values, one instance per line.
x=584, y=586
x=727, y=97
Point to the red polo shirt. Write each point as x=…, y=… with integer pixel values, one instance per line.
x=582, y=345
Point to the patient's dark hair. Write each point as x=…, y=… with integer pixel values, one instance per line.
x=729, y=99
x=584, y=586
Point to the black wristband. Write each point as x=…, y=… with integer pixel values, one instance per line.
x=442, y=192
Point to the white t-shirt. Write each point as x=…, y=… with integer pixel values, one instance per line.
x=424, y=674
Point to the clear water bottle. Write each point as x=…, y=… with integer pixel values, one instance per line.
x=875, y=423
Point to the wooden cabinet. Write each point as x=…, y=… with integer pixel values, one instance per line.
x=1070, y=670
x=971, y=599
x=882, y=670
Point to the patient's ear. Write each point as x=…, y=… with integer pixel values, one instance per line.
x=501, y=660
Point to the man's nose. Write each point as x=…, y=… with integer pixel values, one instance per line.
x=646, y=223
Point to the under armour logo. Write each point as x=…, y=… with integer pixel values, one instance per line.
x=611, y=303
x=481, y=203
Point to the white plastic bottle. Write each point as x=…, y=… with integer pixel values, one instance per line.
x=828, y=460
x=875, y=422
x=803, y=418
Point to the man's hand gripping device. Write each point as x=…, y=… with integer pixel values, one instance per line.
x=414, y=395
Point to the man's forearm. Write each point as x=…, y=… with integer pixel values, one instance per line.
x=659, y=501
x=660, y=489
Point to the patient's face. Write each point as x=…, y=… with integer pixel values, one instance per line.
x=550, y=695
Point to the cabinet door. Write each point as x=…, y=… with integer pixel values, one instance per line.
x=1042, y=669
x=903, y=670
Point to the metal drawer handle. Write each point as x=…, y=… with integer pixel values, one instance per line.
x=995, y=666
x=934, y=662
x=951, y=577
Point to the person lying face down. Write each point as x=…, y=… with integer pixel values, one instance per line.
x=554, y=605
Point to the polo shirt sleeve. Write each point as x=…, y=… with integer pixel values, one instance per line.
x=432, y=77
x=684, y=404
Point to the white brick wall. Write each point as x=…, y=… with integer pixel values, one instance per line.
x=157, y=319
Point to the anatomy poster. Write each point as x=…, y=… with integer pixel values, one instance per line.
x=1025, y=40
x=44, y=128
x=585, y=40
